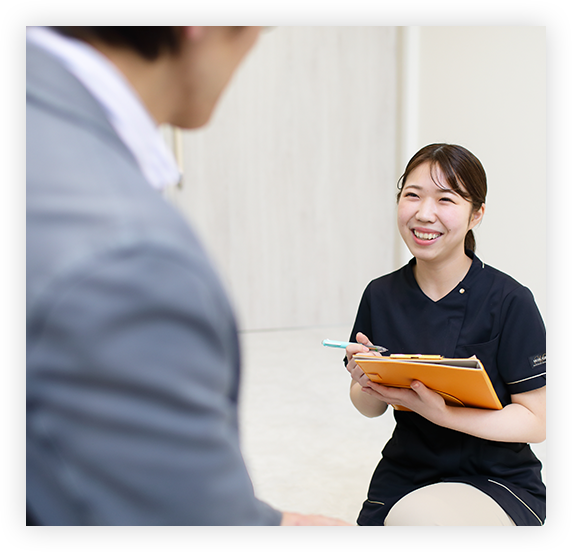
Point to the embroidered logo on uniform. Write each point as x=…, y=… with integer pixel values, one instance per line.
x=537, y=360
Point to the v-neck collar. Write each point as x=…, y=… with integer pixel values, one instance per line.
x=460, y=289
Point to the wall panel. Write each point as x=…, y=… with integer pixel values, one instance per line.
x=292, y=184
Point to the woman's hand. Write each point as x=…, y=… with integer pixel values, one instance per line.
x=418, y=398
x=521, y=421
x=360, y=347
x=291, y=518
x=369, y=406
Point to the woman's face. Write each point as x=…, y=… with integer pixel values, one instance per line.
x=434, y=220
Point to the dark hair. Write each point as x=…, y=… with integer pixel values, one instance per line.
x=463, y=173
x=149, y=42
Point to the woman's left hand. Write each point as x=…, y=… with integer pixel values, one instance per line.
x=418, y=398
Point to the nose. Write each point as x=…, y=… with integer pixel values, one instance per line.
x=426, y=211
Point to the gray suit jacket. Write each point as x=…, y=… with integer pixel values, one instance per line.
x=132, y=349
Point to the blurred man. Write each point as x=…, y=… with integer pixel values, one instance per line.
x=132, y=348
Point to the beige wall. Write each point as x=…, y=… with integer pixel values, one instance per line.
x=485, y=88
x=292, y=186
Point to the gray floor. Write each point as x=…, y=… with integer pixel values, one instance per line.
x=306, y=446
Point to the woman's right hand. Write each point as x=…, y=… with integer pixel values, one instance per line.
x=368, y=405
x=355, y=371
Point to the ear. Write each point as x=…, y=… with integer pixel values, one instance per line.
x=477, y=216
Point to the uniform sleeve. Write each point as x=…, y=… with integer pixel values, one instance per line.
x=132, y=414
x=522, y=343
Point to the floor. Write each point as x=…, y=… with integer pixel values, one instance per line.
x=307, y=448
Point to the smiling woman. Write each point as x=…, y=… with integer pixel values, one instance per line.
x=447, y=302
x=441, y=199
x=454, y=170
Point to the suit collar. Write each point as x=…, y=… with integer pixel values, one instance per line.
x=78, y=81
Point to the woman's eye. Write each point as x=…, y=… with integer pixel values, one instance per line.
x=447, y=199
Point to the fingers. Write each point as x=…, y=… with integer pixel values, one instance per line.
x=360, y=347
x=418, y=398
x=354, y=349
x=293, y=518
x=402, y=396
x=357, y=373
x=362, y=338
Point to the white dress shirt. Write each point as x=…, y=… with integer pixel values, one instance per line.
x=123, y=106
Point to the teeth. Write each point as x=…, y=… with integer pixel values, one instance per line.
x=424, y=236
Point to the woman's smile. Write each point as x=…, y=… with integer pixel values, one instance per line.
x=424, y=236
x=432, y=218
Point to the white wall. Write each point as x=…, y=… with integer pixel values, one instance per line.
x=292, y=186
x=485, y=88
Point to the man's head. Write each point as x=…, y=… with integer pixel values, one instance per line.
x=179, y=72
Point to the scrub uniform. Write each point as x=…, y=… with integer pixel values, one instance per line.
x=492, y=316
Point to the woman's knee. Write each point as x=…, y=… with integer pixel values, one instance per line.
x=447, y=504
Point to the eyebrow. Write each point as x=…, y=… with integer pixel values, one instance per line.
x=439, y=188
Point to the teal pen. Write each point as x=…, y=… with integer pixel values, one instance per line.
x=344, y=344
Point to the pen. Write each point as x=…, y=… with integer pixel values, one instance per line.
x=344, y=344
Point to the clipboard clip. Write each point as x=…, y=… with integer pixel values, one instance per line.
x=420, y=357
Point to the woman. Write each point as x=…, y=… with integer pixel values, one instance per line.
x=448, y=465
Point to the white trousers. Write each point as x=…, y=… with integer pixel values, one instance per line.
x=447, y=504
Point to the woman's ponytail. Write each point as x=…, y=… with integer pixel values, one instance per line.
x=470, y=242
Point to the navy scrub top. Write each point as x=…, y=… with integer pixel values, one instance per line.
x=492, y=316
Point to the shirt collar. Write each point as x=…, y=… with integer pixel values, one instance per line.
x=474, y=271
x=125, y=110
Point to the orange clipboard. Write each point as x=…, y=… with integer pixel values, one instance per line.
x=460, y=381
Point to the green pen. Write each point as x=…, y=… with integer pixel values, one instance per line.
x=344, y=344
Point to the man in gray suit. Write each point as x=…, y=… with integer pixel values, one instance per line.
x=132, y=349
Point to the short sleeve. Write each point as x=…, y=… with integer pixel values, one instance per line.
x=522, y=343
